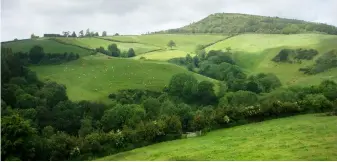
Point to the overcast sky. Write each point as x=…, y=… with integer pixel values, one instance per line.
x=20, y=18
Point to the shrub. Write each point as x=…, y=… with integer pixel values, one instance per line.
x=316, y=103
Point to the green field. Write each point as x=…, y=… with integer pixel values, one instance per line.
x=95, y=77
x=184, y=42
x=255, y=51
x=257, y=43
x=49, y=46
x=94, y=43
x=304, y=137
x=163, y=55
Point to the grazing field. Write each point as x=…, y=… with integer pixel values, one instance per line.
x=49, y=46
x=184, y=42
x=255, y=51
x=304, y=137
x=96, y=42
x=163, y=55
x=95, y=77
x=257, y=43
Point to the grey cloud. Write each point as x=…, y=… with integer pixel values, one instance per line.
x=20, y=18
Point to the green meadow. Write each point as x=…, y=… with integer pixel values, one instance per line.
x=95, y=77
x=304, y=137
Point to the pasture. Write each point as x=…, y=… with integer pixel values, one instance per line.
x=303, y=137
x=257, y=43
x=49, y=46
x=184, y=42
x=163, y=55
x=95, y=77
x=255, y=56
x=94, y=43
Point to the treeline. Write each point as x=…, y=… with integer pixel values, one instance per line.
x=39, y=122
x=295, y=55
x=81, y=33
x=325, y=62
x=232, y=24
x=114, y=51
x=36, y=55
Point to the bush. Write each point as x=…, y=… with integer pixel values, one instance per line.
x=316, y=103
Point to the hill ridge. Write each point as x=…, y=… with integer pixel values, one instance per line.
x=235, y=23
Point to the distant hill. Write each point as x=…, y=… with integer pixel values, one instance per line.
x=233, y=23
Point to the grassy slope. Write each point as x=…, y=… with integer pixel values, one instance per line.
x=163, y=55
x=304, y=137
x=233, y=23
x=184, y=42
x=95, y=77
x=255, y=51
x=49, y=46
x=96, y=42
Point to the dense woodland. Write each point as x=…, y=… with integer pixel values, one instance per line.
x=231, y=24
x=39, y=122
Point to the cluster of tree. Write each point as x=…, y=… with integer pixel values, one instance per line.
x=114, y=51
x=326, y=61
x=294, y=56
x=36, y=55
x=232, y=24
x=33, y=36
x=220, y=65
x=88, y=33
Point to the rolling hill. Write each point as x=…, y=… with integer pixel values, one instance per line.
x=184, y=42
x=94, y=43
x=95, y=77
x=234, y=23
x=305, y=137
x=255, y=56
x=49, y=46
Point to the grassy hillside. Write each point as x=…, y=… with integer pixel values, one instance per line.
x=183, y=42
x=95, y=77
x=305, y=137
x=49, y=46
x=255, y=51
x=96, y=43
x=232, y=23
x=163, y=55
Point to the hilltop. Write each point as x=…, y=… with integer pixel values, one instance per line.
x=235, y=23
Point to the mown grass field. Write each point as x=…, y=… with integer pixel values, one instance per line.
x=304, y=137
x=184, y=42
x=94, y=43
x=49, y=46
x=95, y=77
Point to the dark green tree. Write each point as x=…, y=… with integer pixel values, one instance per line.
x=36, y=54
x=171, y=44
x=131, y=53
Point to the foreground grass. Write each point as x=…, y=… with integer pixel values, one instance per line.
x=304, y=137
x=95, y=77
x=49, y=46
